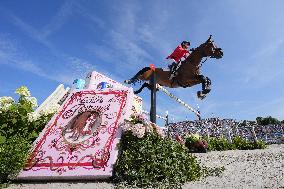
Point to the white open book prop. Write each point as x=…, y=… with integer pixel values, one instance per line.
x=80, y=141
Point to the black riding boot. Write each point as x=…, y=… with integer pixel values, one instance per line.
x=173, y=70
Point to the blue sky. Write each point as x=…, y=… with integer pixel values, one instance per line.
x=45, y=43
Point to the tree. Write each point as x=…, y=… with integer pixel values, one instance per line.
x=267, y=120
x=259, y=120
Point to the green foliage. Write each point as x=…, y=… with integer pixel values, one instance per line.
x=154, y=161
x=13, y=155
x=36, y=126
x=14, y=122
x=267, y=120
x=219, y=144
x=136, y=118
x=222, y=144
x=17, y=132
x=14, y=117
x=242, y=144
x=190, y=140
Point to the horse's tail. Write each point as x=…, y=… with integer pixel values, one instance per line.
x=135, y=78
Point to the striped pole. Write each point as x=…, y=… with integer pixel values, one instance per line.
x=197, y=113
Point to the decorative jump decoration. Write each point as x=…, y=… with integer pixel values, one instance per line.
x=80, y=141
x=188, y=73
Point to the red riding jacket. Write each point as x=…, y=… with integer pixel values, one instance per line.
x=178, y=53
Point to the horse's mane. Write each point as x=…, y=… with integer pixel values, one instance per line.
x=190, y=58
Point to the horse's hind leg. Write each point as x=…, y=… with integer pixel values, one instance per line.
x=135, y=78
x=142, y=87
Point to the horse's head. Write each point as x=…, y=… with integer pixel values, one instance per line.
x=209, y=49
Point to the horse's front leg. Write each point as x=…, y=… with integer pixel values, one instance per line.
x=206, y=87
x=206, y=83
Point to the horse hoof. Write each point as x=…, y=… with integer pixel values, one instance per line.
x=200, y=95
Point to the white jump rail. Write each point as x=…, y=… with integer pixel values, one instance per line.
x=158, y=116
x=178, y=100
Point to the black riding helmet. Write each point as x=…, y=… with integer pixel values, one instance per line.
x=185, y=43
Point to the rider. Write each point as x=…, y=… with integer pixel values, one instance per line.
x=175, y=57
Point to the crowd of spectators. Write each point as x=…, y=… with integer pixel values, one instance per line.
x=228, y=128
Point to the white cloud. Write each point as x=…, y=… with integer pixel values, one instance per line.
x=128, y=48
x=265, y=65
x=83, y=11
x=29, y=30
x=59, y=19
x=103, y=52
x=273, y=108
x=12, y=55
x=269, y=48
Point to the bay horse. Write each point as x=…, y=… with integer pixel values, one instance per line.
x=188, y=74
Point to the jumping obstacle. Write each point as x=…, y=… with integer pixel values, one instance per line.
x=80, y=141
x=158, y=116
x=197, y=113
x=155, y=86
